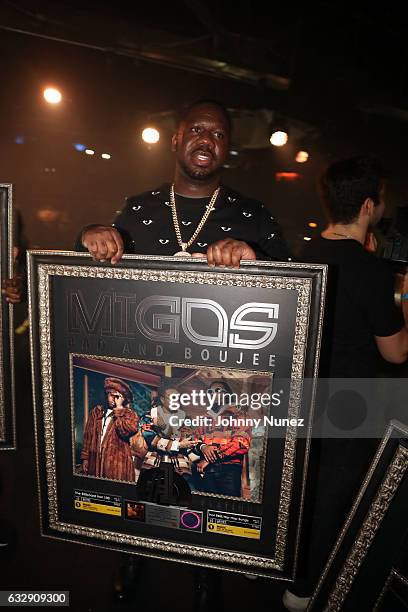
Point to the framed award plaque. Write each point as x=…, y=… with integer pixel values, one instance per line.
x=173, y=404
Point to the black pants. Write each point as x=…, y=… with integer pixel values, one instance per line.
x=337, y=470
x=220, y=478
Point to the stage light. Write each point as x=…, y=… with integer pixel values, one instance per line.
x=151, y=135
x=52, y=95
x=307, y=238
x=312, y=224
x=302, y=157
x=89, y=151
x=233, y=159
x=279, y=138
x=288, y=177
x=105, y=156
x=79, y=146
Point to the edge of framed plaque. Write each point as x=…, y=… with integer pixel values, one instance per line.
x=359, y=543
x=7, y=382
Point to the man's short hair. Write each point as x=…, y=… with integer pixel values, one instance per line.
x=347, y=183
x=207, y=102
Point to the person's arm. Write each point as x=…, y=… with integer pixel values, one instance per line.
x=271, y=243
x=126, y=422
x=108, y=242
x=394, y=348
x=229, y=252
x=156, y=438
x=404, y=297
x=103, y=242
x=13, y=288
x=238, y=445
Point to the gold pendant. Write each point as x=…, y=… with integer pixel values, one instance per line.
x=182, y=254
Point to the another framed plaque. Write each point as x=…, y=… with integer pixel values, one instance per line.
x=394, y=595
x=162, y=362
x=360, y=573
x=7, y=402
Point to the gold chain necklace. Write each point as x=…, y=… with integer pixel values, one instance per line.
x=342, y=235
x=184, y=245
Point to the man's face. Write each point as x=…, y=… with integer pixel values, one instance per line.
x=114, y=398
x=201, y=143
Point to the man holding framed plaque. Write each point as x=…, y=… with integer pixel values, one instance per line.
x=194, y=216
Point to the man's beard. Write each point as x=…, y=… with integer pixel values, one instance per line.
x=199, y=174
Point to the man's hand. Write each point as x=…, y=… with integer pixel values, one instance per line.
x=119, y=401
x=185, y=443
x=210, y=452
x=119, y=409
x=201, y=466
x=12, y=289
x=229, y=252
x=85, y=466
x=104, y=243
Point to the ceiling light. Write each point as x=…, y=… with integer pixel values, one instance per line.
x=278, y=138
x=52, y=95
x=286, y=176
x=151, y=135
x=89, y=151
x=302, y=157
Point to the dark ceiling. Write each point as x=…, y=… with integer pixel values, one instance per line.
x=331, y=59
x=339, y=69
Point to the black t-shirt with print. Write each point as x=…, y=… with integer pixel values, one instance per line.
x=360, y=305
x=146, y=224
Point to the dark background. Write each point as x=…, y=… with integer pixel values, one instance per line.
x=341, y=86
x=340, y=69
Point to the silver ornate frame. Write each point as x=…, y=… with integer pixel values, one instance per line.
x=394, y=576
x=263, y=276
x=7, y=390
x=337, y=589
